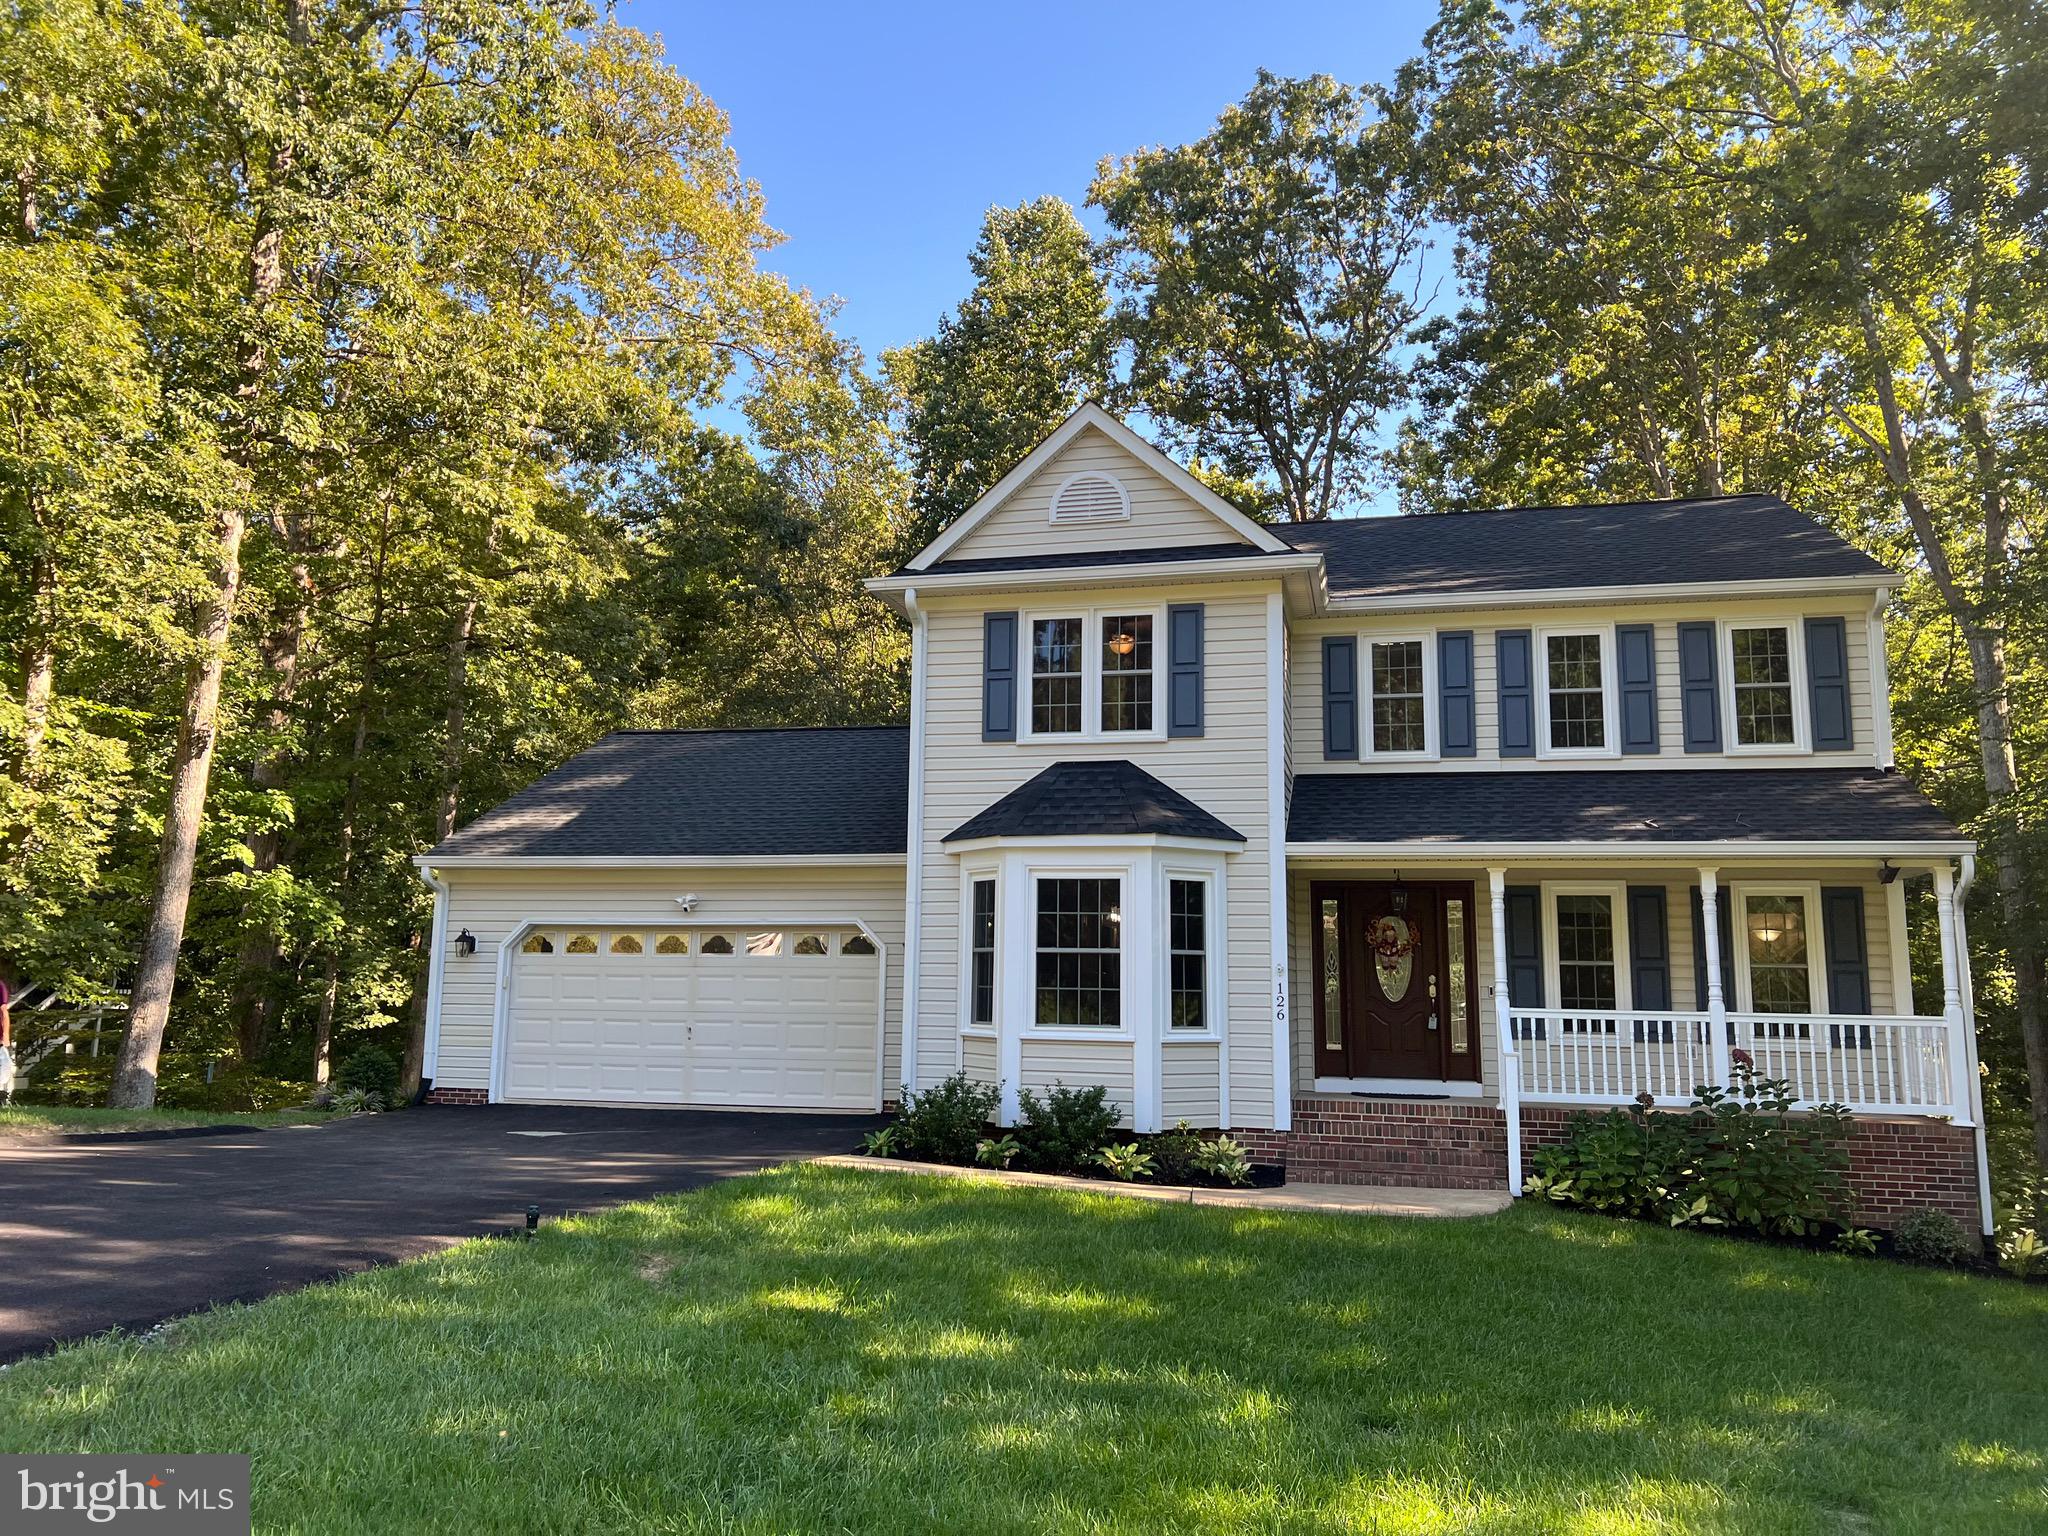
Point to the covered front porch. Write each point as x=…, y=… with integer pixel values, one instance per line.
x=1457, y=998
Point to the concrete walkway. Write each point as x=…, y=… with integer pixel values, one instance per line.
x=1345, y=1199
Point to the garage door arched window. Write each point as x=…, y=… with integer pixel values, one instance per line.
x=718, y=944
x=537, y=944
x=582, y=944
x=626, y=944
x=672, y=944
x=857, y=944
x=812, y=944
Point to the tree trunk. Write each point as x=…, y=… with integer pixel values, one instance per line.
x=444, y=824
x=39, y=669
x=323, y=1024
x=178, y=851
x=1981, y=624
x=156, y=971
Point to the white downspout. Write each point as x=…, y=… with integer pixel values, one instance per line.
x=437, y=961
x=913, y=862
x=1976, y=1104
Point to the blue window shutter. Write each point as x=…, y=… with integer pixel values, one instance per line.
x=1340, y=696
x=1844, y=944
x=1184, y=669
x=1699, y=686
x=1515, y=675
x=1827, y=686
x=1635, y=653
x=999, y=677
x=1649, y=959
x=1459, y=736
x=1525, y=952
x=1699, y=950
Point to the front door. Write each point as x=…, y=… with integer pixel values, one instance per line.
x=1396, y=994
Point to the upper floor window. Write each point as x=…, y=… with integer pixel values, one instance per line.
x=1576, y=698
x=1762, y=660
x=1092, y=674
x=1397, y=671
x=1127, y=672
x=1055, y=677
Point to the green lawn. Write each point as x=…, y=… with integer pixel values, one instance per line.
x=830, y=1350
x=54, y=1119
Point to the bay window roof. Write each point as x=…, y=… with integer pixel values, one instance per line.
x=1104, y=798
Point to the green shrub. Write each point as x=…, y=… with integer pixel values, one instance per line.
x=881, y=1143
x=1738, y=1159
x=2021, y=1252
x=997, y=1151
x=1128, y=1162
x=945, y=1122
x=1062, y=1131
x=1856, y=1240
x=357, y=1101
x=370, y=1068
x=1174, y=1153
x=1931, y=1237
x=1224, y=1160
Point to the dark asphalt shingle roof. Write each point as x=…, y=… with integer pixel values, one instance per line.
x=1094, y=798
x=1514, y=549
x=712, y=794
x=1615, y=805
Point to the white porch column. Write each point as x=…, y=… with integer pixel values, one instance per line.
x=1717, y=997
x=1510, y=1056
x=1952, y=963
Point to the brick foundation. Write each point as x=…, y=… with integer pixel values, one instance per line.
x=458, y=1096
x=1895, y=1165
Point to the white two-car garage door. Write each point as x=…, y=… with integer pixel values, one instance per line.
x=786, y=1018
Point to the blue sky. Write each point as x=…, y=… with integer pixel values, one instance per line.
x=879, y=132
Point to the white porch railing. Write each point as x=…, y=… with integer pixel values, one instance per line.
x=1873, y=1064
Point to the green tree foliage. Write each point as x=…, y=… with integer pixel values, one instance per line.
x=1028, y=344
x=339, y=345
x=1268, y=279
x=1798, y=247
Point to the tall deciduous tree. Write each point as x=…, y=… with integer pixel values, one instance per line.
x=1269, y=280
x=1029, y=343
x=1840, y=207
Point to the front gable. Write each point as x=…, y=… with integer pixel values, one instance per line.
x=1094, y=485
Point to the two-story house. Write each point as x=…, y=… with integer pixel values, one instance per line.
x=1381, y=842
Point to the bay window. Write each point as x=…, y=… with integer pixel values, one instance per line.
x=1187, y=954
x=981, y=940
x=1079, y=981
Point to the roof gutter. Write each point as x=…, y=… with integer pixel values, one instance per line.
x=1610, y=849
x=926, y=583
x=658, y=861
x=1536, y=597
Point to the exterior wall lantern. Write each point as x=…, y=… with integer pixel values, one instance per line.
x=465, y=943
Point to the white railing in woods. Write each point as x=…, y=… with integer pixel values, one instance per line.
x=1873, y=1064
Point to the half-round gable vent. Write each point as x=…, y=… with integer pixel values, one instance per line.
x=1090, y=497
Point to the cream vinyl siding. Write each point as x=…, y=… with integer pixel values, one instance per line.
x=978, y=1058
x=1224, y=771
x=1305, y=686
x=493, y=903
x=1677, y=905
x=1187, y=1084
x=1161, y=517
x=1080, y=1064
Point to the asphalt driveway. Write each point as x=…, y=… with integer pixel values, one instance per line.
x=126, y=1234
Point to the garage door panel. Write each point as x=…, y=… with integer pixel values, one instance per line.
x=777, y=1029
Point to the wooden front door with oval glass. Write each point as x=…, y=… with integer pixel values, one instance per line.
x=1396, y=985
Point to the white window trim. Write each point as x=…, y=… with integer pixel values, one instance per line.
x=1795, y=640
x=1553, y=958
x=1816, y=960
x=1215, y=960
x=1123, y=491
x=1610, y=695
x=1126, y=876
x=1091, y=672
x=968, y=1028
x=1432, y=709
